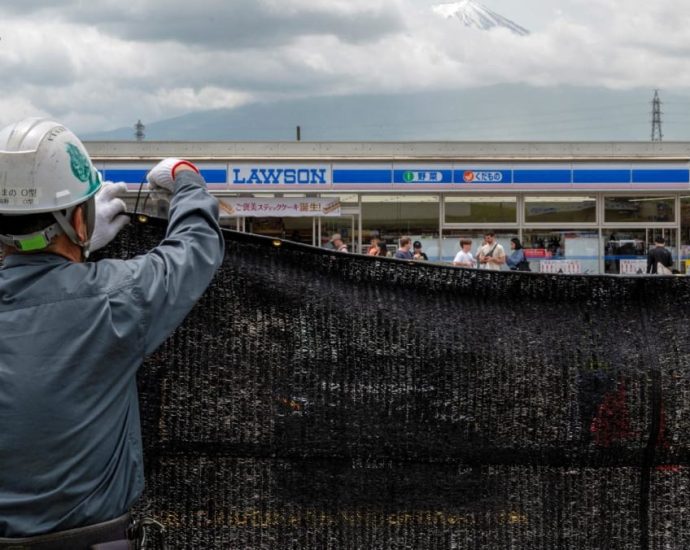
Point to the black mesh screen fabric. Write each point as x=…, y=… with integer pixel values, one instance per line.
x=321, y=400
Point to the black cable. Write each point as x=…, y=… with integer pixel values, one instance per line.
x=136, y=203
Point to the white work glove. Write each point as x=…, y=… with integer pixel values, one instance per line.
x=162, y=176
x=110, y=214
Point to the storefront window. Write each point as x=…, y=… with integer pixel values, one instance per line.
x=560, y=209
x=639, y=209
x=294, y=228
x=625, y=250
x=390, y=217
x=345, y=225
x=562, y=250
x=481, y=209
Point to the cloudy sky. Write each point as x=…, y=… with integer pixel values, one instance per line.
x=101, y=64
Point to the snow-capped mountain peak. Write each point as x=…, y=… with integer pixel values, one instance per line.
x=474, y=14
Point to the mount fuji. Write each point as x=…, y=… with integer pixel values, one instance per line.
x=474, y=14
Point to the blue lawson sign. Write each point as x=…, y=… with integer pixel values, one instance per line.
x=572, y=176
x=138, y=175
x=359, y=176
x=566, y=176
x=601, y=176
x=278, y=176
x=664, y=176
x=542, y=176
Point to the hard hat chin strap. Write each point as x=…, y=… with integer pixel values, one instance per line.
x=89, y=209
x=39, y=240
x=32, y=241
x=66, y=226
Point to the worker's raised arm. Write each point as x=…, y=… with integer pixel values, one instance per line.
x=174, y=275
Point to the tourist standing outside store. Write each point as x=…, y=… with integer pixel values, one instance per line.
x=417, y=252
x=374, y=247
x=383, y=250
x=517, y=261
x=337, y=242
x=464, y=258
x=491, y=255
x=659, y=259
x=404, y=252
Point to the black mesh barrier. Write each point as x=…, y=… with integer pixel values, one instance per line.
x=321, y=400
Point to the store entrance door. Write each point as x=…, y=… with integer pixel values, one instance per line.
x=348, y=227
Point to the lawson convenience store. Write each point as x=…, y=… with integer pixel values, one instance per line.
x=577, y=207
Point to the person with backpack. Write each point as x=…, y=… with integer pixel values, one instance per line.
x=517, y=261
x=659, y=259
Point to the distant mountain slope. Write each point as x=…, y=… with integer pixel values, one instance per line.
x=516, y=112
x=474, y=14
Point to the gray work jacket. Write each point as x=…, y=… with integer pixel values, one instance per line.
x=72, y=336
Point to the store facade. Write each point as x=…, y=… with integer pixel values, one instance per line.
x=577, y=208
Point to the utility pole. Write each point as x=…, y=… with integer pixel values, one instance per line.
x=656, y=118
x=299, y=133
x=139, y=130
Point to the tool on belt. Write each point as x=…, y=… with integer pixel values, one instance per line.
x=121, y=533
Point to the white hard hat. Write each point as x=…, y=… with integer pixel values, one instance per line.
x=44, y=167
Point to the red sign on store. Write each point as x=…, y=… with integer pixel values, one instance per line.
x=536, y=253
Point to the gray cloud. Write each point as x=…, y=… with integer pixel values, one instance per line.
x=104, y=63
x=227, y=25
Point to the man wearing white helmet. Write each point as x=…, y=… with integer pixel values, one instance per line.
x=75, y=333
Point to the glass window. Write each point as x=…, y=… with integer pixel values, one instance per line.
x=625, y=250
x=345, y=225
x=639, y=209
x=390, y=217
x=564, y=250
x=481, y=209
x=560, y=209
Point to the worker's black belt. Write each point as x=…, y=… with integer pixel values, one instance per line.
x=109, y=535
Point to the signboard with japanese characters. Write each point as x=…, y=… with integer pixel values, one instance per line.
x=570, y=267
x=265, y=207
x=633, y=267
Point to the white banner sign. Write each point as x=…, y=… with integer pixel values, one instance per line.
x=259, y=207
x=633, y=267
x=570, y=267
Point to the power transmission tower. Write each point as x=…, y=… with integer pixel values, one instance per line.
x=139, y=130
x=656, y=118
